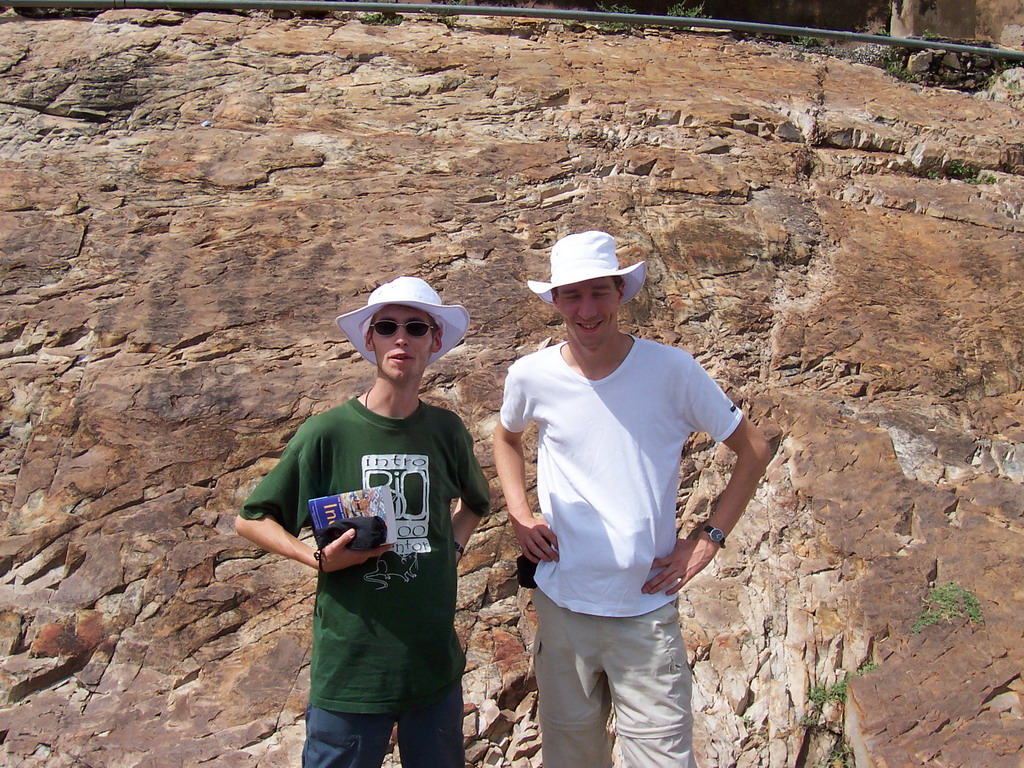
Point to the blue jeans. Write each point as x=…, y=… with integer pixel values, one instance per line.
x=428, y=736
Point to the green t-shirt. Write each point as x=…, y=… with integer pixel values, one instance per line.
x=383, y=634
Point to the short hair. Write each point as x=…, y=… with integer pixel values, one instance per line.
x=617, y=279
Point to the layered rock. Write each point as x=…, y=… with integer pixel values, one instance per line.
x=186, y=201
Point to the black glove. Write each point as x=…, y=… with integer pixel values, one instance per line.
x=371, y=532
x=525, y=569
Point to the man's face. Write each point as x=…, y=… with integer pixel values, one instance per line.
x=402, y=356
x=590, y=310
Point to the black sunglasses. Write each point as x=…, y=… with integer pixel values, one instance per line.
x=413, y=327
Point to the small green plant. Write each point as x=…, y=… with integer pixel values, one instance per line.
x=900, y=72
x=993, y=80
x=385, y=18
x=895, y=65
x=821, y=696
x=679, y=9
x=810, y=42
x=615, y=26
x=969, y=173
x=447, y=17
x=840, y=756
x=962, y=171
x=687, y=11
x=947, y=602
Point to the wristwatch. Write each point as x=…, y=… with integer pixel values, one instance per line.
x=717, y=535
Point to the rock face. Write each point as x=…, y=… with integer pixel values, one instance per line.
x=999, y=20
x=186, y=201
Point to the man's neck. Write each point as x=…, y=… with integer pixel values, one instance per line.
x=600, y=362
x=385, y=399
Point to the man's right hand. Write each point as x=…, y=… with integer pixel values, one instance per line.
x=337, y=555
x=536, y=538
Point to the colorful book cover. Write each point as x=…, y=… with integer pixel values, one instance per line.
x=378, y=501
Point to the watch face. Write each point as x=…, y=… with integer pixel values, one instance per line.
x=715, y=534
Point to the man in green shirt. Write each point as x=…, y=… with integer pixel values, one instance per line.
x=384, y=644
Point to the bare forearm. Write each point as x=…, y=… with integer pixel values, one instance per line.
x=536, y=538
x=464, y=522
x=510, y=462
x=268, y=534
x=752, y=456
x=691, y=555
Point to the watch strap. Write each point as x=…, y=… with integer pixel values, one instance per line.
x=717, y=535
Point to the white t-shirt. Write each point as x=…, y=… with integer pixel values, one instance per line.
x=608, y=466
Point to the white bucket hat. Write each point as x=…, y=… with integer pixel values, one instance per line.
x=576, y=258
x=453, y=320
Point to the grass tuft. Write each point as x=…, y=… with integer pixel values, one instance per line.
x=385, y=19
x=949, y=601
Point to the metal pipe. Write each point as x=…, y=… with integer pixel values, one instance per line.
x=636, y=19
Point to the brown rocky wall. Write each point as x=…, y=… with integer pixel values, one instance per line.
x=186, y=202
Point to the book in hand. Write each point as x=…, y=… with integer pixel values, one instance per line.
x=371, y=511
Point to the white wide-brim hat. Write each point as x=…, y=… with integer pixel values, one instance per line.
x=584, y=256
x=453, y=319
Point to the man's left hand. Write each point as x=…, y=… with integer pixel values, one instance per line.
x=337, y=555
x=688, y=558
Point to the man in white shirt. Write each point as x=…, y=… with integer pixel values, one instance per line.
x=613, y=412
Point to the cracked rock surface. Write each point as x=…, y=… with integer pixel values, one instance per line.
x=187, y=201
